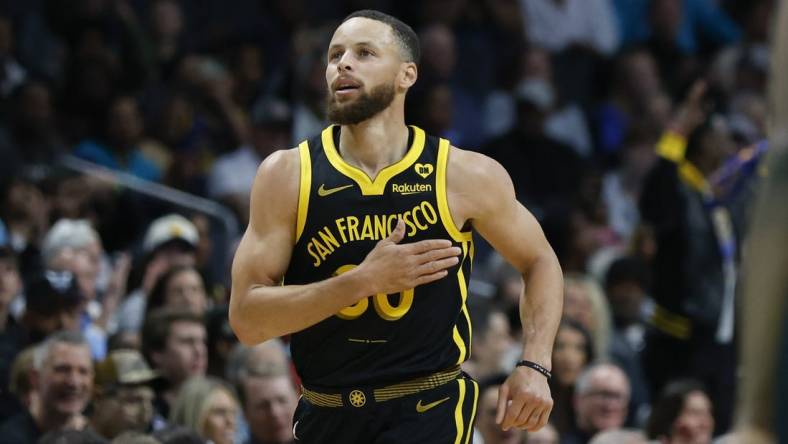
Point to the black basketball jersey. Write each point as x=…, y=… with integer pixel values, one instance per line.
x=342, y=214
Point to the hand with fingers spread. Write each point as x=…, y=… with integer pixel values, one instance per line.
x=395, y=267
x=524, y=401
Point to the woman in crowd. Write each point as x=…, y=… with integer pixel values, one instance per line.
x=210, y=407
x=682, y=415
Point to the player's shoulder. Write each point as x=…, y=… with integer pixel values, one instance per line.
x=475, y=168
x=280, y=166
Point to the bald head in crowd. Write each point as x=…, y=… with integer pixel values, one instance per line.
x=601, y=399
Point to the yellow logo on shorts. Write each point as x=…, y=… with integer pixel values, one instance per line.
x=357, y=398
x=421, y=408
x=423, y=170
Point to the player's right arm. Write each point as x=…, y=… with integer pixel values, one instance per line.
x=261, y=308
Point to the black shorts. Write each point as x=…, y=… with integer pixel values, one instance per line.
x=441, y=415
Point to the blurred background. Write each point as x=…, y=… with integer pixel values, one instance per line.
x=131, y=131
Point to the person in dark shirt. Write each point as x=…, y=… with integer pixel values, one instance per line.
x=64, y=381
x=53, y=302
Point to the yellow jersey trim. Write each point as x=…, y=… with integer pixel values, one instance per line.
x=672, y=146
x=464, y=294
x=443, y=201
x=473, y=410
x=304, y=188
x=370, y=187
x=460, y=344
x=458, y=413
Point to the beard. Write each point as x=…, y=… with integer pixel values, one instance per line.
x=364, y=107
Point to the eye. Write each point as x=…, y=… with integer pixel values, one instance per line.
x=365, y=53
x=335, y=55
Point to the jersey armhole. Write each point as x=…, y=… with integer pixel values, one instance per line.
x=442, y=195
x=304, y=189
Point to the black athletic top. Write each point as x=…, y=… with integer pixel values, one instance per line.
x=342, y=214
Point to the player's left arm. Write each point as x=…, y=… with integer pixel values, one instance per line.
x=481, y=191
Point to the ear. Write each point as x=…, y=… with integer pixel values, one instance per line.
x=408, y=75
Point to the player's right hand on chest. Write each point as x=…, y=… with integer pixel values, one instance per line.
x=392, y=267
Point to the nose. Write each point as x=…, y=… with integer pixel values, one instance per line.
x=345, y=62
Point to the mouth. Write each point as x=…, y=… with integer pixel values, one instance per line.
x=345, y=85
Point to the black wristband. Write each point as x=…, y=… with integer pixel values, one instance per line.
x=532, y=365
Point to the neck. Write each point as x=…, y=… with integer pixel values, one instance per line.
x=376, y=142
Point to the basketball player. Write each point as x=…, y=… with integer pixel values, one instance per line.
x=359, y=245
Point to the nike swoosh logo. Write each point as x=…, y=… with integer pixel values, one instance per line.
x=323, y=192
x=410, y=192
x=423, y=408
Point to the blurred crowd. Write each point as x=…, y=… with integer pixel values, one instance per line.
x=632, y=129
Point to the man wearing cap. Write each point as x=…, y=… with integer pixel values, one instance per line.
x=170, y=240
x=123, y=398
x=63, y=375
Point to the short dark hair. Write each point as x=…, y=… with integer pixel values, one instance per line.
x=627, y=269
x=669, y=406
x=156, y=328
x=404, y=34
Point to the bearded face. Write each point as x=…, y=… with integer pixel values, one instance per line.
x=364, y=106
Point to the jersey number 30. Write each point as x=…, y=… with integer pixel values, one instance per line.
x=381, y=301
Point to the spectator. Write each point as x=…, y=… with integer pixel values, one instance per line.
x=268, y=399
x=120, y=149
x=490, y=431
x=543, y=170
x=626, y=285
x=64, y=380
x=572, y=352
x=12, y=74
x=167, y=32
x=636, y=84
x=123, y=398
x=21, y=384
x=232, y=174
x=169, y=241
x=261, y=357
x=74, y=246
x=175, y=343
x=10, y=286
x=208, y=406
x=585, y=302
x=622, y=186
x=682, y=414
x=557, y=26
x=493, y=343
x=32, y=137
x=694, y=269
x=25, y=211
x=180, y=288
x=601, y=398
